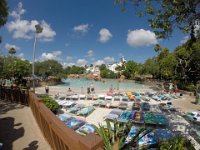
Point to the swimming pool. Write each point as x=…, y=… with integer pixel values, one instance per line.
x=83, y=84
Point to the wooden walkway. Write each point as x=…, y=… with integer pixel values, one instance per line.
x=18, y=128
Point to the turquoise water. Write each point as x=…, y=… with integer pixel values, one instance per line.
x=78, y=84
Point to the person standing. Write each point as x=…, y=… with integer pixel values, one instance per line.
x=88, y=90
x=170, y=87
x=47, y=89
x=92, y=88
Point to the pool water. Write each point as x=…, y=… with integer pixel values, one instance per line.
x=83, y=84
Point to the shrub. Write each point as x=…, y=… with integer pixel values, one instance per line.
x=50, y=103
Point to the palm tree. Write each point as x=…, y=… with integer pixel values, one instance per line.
x=157, y=48
x=12, y=51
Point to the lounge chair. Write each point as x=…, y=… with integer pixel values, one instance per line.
x=161, y=119
x=137, y=117
x=86, y=111
x=61, y=102
x=101, y=103
x=82, y=97
x=95, y=97
x=136, y=106
x=101, y=96
x=61, y=98
x=123, y=105
x=132, y=134
x=75, y=123
x=89, y=97
x=108, y=98
x=125, y=98
x=147, y=140
x=114, y=114
x=163, y=134
x=145, y=106
x=193, y=117
x=65, y=117
x=68, y=104
x=86, y=129
x=115, y=103
x=125, y=116
x=68, y=97
x=75, y=97
x=76, y=108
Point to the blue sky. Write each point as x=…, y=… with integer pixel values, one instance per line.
x=80, y=32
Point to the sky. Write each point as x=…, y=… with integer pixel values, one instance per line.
x=80, y=32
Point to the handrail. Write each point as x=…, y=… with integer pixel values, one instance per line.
x=58, y=135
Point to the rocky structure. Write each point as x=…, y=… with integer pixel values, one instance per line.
x=95, y=77
x=122, y=78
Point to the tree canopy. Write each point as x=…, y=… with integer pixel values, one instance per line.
x=74, y=70
x=165, y=15
x=48, y=68
x=3, y=12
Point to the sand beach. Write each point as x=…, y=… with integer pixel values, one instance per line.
x=183, y=104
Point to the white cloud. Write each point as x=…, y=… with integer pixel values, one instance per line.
x=21, y=56
x=90, y=53
x=99, y=62
x=105, y=35
x=82, y=28
x=9, y=46
x=185, y=39
x=18, y=12
x=55, y=55
x=105, y=60
x=47, y=34
x=81, y=62
x=141, y=37
x=69, y=58
x=25, y=29
x=109, y=60
x=65, y=64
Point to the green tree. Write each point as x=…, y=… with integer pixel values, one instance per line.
x=165, y=15
x=130, y=69
x=16, y=68
x=188, y=66
x=3, y=12
x=167, y=66
x=48, y=68
x=151, y=67
x=102, y=67
x=74, y=70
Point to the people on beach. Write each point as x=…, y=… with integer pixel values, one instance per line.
x=88, y=90
x=171, y=87
x=47, y=89
x=111, y=88
x=69, y=90
x=92, y=88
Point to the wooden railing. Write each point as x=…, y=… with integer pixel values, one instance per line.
x=58, y=135
x=14, y=94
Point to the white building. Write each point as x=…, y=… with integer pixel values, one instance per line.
x=93, y=69
x=113, y=67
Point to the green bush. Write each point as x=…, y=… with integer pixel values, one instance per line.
x=187, y=86
x=50, y=103
x=177, y=143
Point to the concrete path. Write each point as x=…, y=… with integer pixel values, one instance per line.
x=19, y=130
